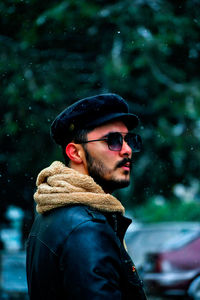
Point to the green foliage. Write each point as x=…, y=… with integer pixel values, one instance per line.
x=54, y=53
x=157, y=210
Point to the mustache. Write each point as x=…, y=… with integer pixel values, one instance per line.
x=123, y=162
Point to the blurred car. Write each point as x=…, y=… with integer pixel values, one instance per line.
x=173, y=268
x=150, y=237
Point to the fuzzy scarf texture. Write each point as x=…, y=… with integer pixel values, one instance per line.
x=59, y=186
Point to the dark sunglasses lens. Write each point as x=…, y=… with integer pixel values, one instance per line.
x=115, y=141
x=134, y=141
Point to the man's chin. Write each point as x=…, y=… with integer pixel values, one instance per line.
x=112, y=185
x=122, y=184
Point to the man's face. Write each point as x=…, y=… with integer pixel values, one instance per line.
x=110, y=169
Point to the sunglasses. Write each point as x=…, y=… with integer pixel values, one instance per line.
x=115, y=140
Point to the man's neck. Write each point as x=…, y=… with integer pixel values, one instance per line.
x=79, y=168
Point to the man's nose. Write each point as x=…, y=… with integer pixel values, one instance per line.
x=126, y=150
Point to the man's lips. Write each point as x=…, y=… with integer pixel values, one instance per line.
x=126, y=163
x=126, y=167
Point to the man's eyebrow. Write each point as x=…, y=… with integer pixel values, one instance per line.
x=106, y=135
x=109, y=133
x=115, y=132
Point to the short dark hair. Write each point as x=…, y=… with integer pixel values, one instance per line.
x=79, y=136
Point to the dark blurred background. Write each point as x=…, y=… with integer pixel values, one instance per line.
x=53, y=53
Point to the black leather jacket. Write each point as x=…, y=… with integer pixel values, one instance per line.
x=77, y=253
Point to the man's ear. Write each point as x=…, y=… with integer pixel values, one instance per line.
x=74, y=152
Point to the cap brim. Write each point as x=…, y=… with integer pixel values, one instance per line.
x=130, y=120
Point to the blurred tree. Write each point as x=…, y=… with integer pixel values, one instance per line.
x=54, y=53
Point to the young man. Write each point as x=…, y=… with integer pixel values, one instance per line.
x=75, y=249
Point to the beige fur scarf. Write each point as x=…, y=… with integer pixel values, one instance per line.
x=59, y=186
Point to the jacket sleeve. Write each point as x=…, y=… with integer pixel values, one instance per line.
x=90, y=263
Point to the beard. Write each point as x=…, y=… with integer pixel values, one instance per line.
x=98, y=171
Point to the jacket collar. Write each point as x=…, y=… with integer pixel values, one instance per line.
x=119, y=223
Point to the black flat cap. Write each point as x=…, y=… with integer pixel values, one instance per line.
x=89, y=113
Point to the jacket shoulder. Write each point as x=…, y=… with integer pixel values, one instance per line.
x=73, y=216
x=54, y=227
